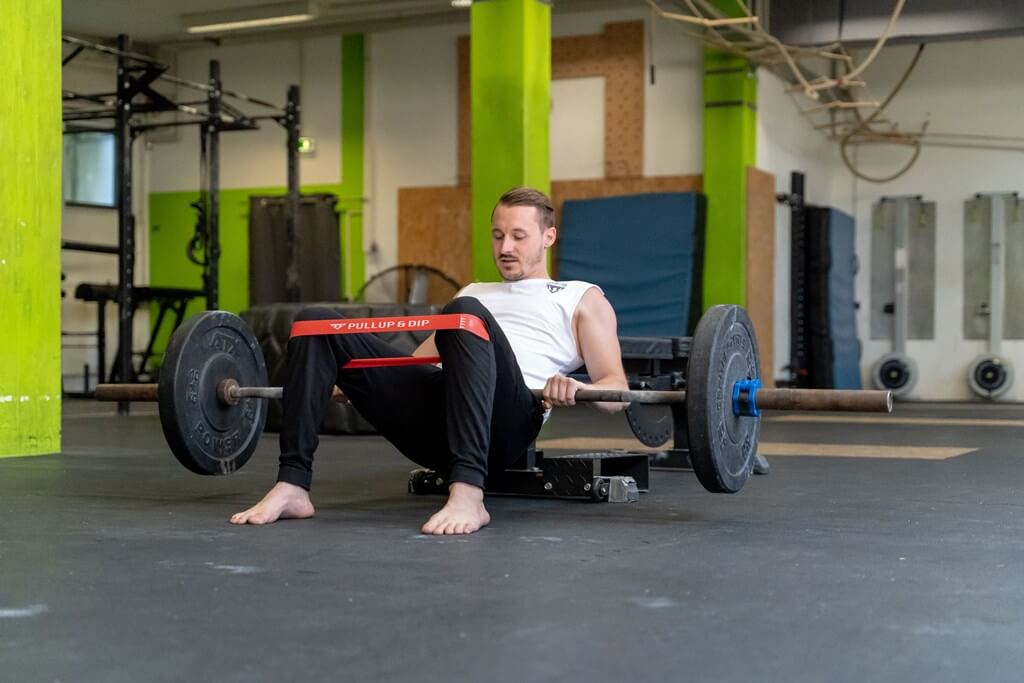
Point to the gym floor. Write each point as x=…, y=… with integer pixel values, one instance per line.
x=903, y=563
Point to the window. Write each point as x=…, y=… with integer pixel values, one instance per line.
x=89, y=168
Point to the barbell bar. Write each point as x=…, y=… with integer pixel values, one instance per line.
x=229, y=392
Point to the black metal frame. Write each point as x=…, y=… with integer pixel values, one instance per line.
x=588, y=476
x=135, y=95
x=92, y=247
x=293, y=284
x=799, y=354
x=209, y=136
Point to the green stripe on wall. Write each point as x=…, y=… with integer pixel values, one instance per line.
x=30, y=215
x=172, y=224
x=510, y=88
x=353, y=62
x=730, y=145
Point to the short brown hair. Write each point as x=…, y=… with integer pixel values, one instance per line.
x=527, y=196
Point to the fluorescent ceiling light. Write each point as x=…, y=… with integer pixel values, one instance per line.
x=250, y=23
x=250, y=17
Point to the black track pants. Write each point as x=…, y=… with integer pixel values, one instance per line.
x=472, y=415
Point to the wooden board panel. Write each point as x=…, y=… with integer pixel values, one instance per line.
x=617, y=54
x=761, y=265
x=434, y=229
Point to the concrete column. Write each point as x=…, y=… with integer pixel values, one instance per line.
x=30, y=214
x=510, y=84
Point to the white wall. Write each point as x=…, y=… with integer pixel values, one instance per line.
x=577, y=150
x=257, y=158
x=971, y=87
x=412, y=117
x=787, y=142
x=411, y=123
x=965, y=87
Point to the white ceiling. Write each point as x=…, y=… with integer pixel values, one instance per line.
x=159, y=21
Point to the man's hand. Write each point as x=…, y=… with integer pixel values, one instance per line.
x=561, y=391
x=338, y=396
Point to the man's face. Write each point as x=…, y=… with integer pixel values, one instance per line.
x=518, y=242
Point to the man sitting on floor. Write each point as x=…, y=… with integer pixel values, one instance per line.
x=475, y=413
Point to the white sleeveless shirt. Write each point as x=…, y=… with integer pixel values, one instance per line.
x=536, y=317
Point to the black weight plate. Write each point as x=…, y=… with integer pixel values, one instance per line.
x=205, y=435
x=722, y=446
x=651, y=423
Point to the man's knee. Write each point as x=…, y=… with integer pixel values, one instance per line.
x=317, y=313
x=466, y=304
x=312, y=313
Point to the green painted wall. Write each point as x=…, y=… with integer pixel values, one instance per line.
x=172, y=224
x=730, y=145
x=510, y=86
x=351, y=193
x=172, y=220
x=30, y=214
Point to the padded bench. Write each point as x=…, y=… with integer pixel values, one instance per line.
x=169, y=299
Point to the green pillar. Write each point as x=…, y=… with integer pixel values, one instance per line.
x=730, y=145
x=510, y=86
x=30, y=213
x=350, y=202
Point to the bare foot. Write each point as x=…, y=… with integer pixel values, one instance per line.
x=464, y=512
x=284, y=501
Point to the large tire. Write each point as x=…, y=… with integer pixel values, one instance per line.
x=272, y=324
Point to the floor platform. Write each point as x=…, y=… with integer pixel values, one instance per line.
x=856, y=561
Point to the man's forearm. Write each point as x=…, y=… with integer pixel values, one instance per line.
x=613, y=384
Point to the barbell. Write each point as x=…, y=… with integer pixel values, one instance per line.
x=213, y=378
x=229, y=392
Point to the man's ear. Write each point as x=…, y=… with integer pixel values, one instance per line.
x=550, y=235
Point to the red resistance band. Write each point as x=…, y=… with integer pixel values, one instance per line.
x=450, y=321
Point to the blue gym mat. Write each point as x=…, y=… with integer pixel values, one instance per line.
x=645, y=251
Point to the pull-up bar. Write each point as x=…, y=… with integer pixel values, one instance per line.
x=224, y=91
x=99, y=47
x=144, y=59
